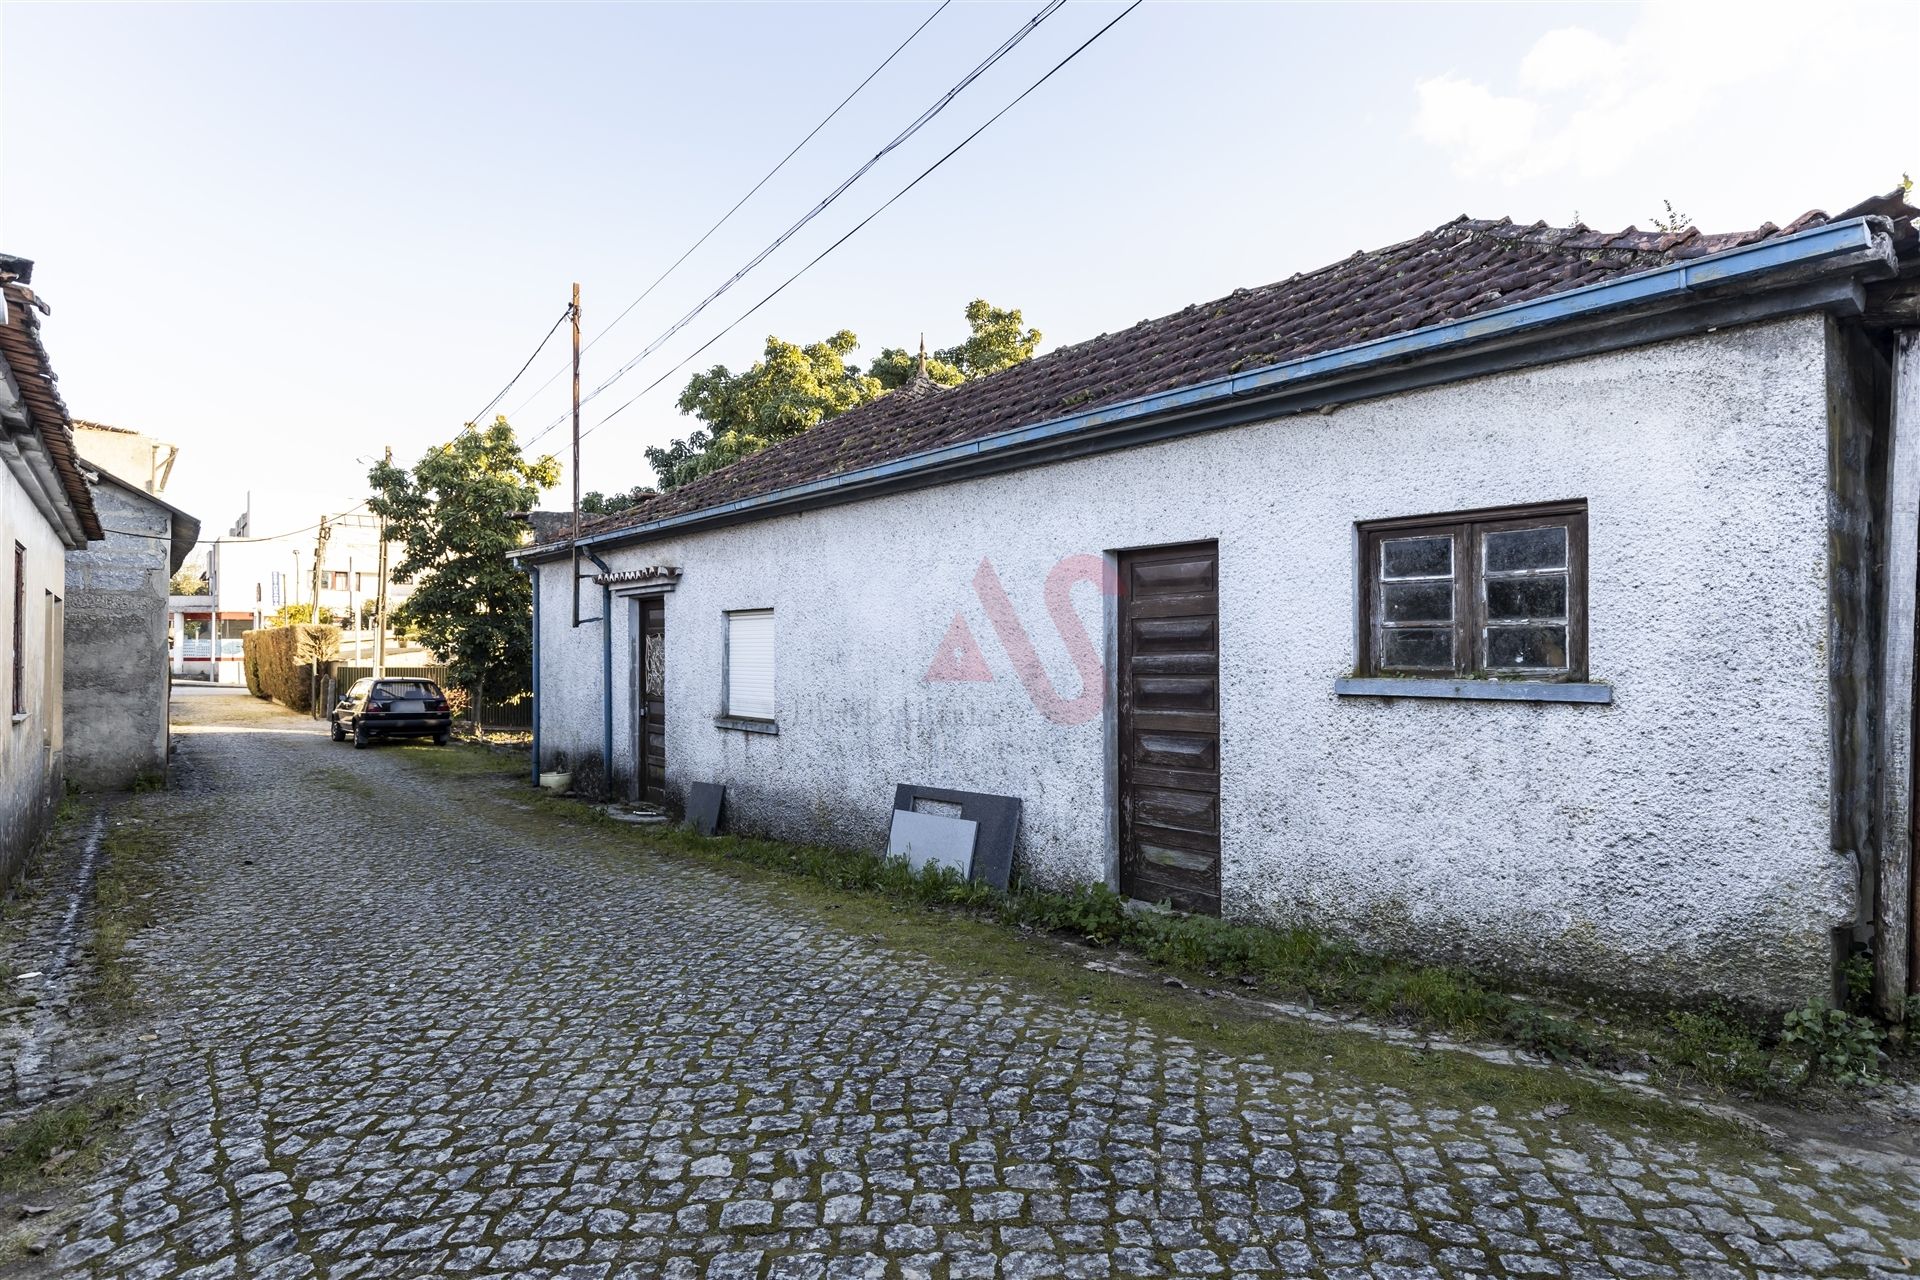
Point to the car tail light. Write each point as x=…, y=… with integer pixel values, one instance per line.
x=437, y=704
x=376, y=708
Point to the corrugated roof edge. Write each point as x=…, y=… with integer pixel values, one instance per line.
x=1856, y=246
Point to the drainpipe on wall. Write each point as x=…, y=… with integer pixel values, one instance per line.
x=606, y=673
x=533, y=572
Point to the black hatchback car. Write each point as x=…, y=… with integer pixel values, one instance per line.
x=397, y=708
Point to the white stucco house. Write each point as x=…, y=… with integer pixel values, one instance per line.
x=1541, y=598
x=45, y=511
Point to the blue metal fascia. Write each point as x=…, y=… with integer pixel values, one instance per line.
x=606, y=672
x=1752, y=263
x=533, y=572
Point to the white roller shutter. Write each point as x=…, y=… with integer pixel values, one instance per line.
x=750, y=664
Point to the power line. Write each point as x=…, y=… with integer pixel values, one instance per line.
x=924, y=174
x=501, y=395
x=275, y=537
x=754, y=190
x=939, y=105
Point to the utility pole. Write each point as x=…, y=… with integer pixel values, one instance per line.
x=380, y=606
x=213, y=610
x=353, y=610
x=573, y=540
x=319, y=559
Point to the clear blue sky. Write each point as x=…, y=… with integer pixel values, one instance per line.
x=283, y=236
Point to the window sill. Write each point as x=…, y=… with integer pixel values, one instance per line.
x=1474, y=690
x=745, y=725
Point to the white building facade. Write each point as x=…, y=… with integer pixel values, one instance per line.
x=255, y=577
x=45, y=510
x=1550, y=640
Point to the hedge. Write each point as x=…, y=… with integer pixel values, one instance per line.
x=280, y=661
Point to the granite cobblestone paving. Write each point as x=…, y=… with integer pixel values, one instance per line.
x=401, y=1033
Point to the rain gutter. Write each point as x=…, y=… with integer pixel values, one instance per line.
x=1815, y=269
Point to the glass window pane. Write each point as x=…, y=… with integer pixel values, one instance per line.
x=1535, y=648
x=1517, y=599
x=1416, y=649
x=1430, y=601
x=1416, y=558
x=1519, y=550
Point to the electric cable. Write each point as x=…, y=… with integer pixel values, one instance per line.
x=502, y=394
x=927, y=116
x=754, y=190
x=924, y=174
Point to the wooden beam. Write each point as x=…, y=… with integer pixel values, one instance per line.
x=1895, y=898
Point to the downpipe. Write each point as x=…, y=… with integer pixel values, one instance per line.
x=533, y=573
x=606, y=672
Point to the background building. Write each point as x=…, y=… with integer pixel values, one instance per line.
x=117, y=674
x=253, y=578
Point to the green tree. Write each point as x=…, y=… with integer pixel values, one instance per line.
x=605, y=504
x=454, y=512
x=788, y=390
x=288, y=615
x=792, y=388
x=995, y=341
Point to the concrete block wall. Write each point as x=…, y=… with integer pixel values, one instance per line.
x=117, y=677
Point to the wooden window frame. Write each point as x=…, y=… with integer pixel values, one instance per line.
x=1468, y=529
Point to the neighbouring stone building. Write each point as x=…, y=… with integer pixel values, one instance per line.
x=118, y=677
x=1541, y=598
x=45, y=511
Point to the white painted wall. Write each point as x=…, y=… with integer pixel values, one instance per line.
x=1677, y=839
x=30, y=765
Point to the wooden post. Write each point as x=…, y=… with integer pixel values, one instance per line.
x=319, y=560
x=380, y=605
x=1896, y=899
x=573, y=538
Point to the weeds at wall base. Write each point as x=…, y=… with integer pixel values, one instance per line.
x=1717, y=1047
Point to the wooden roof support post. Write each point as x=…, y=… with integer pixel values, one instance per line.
x=1894, y=911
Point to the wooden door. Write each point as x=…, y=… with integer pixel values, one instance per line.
x=1169, y=726
x=650, y=699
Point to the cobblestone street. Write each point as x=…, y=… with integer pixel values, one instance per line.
x=404, y=1028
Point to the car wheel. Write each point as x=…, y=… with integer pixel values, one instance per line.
x=339, y=734
x=360, y=738
x=441, y=739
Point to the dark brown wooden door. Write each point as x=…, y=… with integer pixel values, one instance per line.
x=1169, y=740
x=650, y=698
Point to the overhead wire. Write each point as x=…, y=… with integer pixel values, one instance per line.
x=925, y=117
x=565, y=314
x=923, y=175
x=751, y=192
x=276, y=537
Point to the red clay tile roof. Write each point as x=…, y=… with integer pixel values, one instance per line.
x=1456, y=270
x=21, y=347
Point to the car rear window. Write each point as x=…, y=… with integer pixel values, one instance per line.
x=409, y=689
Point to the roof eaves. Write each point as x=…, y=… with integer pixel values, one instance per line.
x=25, y=354
x=1857, y=245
